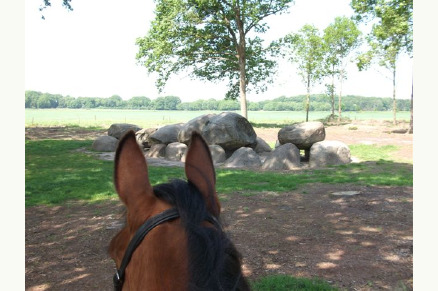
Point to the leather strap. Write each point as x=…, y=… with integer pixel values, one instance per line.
x=146, y=227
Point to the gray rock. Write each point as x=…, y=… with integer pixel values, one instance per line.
x=166, y=134
x=229, y=130
x=243, y=158
x=196, y=124
x=117, y=130
x=303, y=135
x=262, y=146
x=105, y=143
x=326, y=153
x=156, y=151
x=284, y=157
x=176, y=151
x=142, y=137
x=217, y=154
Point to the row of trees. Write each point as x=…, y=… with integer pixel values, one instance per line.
x=219, y=40
x=34, y=99
x=321, y=102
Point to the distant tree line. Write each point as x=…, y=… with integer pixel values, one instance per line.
x=320, y=102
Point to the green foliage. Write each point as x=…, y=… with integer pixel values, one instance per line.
x=340, y=39
x=288, y=283
x=296, y=103
x=306, y=50
x=212, y=41
x=391, y=35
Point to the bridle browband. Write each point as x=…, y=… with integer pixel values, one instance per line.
x=145, y=228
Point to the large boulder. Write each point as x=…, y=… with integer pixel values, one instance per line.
x=284, y=157
x=303, y=135
x=229, y=130
x=105, y=143
x=243, y=158
x=217, y=154
x=156, y=151
x=176, y=151
x=117, y=130
x=196, y=124
x=166, y=134
x=262, y=146
x=326, y=153
x=142, y=137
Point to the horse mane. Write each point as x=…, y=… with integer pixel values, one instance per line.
x=214, y=262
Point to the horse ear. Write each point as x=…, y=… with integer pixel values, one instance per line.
x=200, y=171
x=131, y=171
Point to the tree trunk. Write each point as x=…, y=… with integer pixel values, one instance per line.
x=242, y=89
x=242, y=66
x=394, y=104
x=308, y=98
x=333, y=95
x=340, y=96
x=411, y=122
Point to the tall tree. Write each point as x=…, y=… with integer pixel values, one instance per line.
x=306, y=49
x=340, y=38
x=212, y=40
x=390, y=36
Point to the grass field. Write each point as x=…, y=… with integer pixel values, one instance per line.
x=75, y=175
x=146, y=118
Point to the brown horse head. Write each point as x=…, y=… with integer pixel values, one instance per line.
x=185, y=251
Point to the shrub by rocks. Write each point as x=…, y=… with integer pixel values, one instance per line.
x=303, y=135
x=117, y=130
x=326, y=153
x=105, y=143
x=284, y=157
x=243, y=158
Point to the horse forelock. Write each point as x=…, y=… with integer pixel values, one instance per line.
x=214, y=261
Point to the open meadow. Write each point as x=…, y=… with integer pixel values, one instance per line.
x=148, y=118
x=291, y=227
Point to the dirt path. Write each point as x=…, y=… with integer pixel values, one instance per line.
x=360, y=242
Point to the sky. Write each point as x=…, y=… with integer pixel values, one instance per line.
x=90, y=52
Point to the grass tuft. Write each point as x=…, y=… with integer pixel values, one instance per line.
x=288, y=283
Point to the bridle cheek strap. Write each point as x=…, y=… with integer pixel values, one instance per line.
x=146, y=227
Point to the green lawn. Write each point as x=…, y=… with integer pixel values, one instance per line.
x=57, y=171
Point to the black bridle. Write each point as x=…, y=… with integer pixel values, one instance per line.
x=144, y=229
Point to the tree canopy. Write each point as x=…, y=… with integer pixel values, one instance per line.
x=390, y=36
x=213, y=40
x=340, y=38
x=306, y=49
